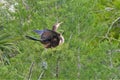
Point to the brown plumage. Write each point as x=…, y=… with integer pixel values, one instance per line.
x=49, y=38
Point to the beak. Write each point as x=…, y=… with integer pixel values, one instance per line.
x=58, y=24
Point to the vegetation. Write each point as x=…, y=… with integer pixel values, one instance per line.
x=91, y=49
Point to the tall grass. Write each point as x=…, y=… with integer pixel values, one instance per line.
x=86, y=53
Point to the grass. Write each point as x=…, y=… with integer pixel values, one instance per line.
x=85, y=55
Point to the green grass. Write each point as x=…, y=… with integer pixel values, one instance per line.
x=85, y=55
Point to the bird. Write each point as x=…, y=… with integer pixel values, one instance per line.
x=49, y=38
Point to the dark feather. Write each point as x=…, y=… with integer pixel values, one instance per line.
x=39, y=31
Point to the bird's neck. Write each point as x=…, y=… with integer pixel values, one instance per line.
x=54, y=28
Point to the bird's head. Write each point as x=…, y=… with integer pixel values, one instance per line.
x=55, y=27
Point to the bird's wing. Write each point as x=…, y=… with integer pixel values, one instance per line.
x=39, y=31
x=47, y=34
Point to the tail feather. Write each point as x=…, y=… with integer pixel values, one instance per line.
x=31, y=38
